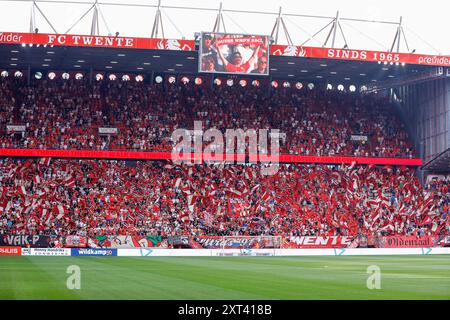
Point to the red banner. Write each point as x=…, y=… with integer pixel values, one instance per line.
x=284, y=158
x=96, y=41
x=359, y=55
x=406, y=242
x=126, y=241
x=76, y=242
x=217, y=242
x=189, y=45
x=445, y=242
x=318, y=242
x=10, y=251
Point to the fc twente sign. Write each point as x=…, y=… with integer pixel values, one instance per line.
x=189, y=45
x=95, y=41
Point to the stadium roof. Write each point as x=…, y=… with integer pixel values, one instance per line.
x=362, y=25
x=185, y=62
x=45, y=52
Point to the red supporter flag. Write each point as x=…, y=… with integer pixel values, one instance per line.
x=21, y=190
x=45, y=161
x=185, y=218
x=61, y=211
x=69, y=182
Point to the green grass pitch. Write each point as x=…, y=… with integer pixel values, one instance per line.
x=402, y=277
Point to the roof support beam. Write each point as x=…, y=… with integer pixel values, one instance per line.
x=276, y=29
x=219, y=21
x=33, y=26
x=81, y=18
x=398, y=37
x=95, y=29
x=335, y=24
x=157, y=22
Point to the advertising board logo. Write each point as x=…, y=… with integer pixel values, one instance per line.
x=26, y=251
x=291, y=51
x=10, y=251
x=172, y=44
x=246, y=252
x=50, y=252
x=339, y=252
x=145, y=252
x=294, y=51
x=211, y=242
x=251, y=252
x=10, y=37
x=94, y=252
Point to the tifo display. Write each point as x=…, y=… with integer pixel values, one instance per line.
x=155, y=201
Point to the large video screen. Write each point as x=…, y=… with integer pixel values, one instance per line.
x=234, y=53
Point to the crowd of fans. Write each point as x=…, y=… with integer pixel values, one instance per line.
x=89, y=198
x=62, y=197
x=66, y=114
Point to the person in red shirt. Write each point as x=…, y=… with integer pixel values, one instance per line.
x=237, y=65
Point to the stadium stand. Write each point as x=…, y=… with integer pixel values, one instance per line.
x=66, y=114
x=62, y=197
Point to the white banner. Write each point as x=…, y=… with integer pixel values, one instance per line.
x=152, y=252
x=278, y=135
x=243, y=252
x=155, y=252
x=358, y=138
x=15, y=128
x=107, y=130
x=361, y=251
x=45, y=252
